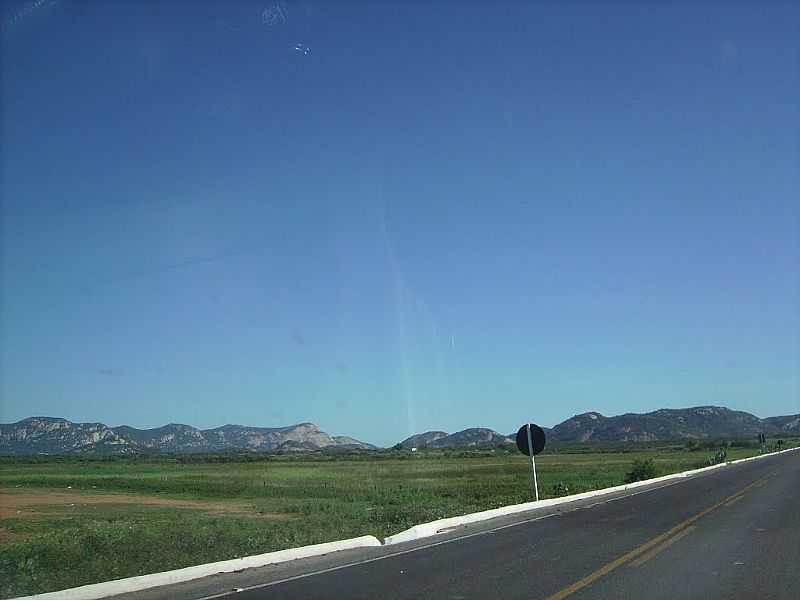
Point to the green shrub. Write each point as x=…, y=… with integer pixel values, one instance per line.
x=642, y=469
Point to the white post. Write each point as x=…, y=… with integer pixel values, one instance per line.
x=533, y=463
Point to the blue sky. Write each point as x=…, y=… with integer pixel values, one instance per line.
x=425, y=216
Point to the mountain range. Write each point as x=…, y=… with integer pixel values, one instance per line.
x=699, y=422
x=48, y=435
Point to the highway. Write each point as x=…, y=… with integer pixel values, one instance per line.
x=730, y=533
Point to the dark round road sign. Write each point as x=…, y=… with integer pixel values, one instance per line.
x=537, y=439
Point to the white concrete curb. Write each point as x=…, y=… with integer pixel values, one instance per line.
x=142, y=582
x=442, y=525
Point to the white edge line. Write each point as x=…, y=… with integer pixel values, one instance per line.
x=377, y=558
x=418, y=548
x=680, y=476
x=96, y=591
x=424, y=530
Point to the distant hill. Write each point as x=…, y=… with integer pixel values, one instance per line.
x=423, y=439
x=48, y=435
x=700, y=422
x=475, y=436
x=789, y=424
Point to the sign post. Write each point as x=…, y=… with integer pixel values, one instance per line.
x=531, y=441
x=533, y=463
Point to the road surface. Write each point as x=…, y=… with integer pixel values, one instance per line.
x=731, y=533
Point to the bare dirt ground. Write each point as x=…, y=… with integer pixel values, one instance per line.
x=18, y=503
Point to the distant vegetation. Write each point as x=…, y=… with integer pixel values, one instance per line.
x=101, y=518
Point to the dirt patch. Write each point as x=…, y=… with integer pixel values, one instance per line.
x=7, y=536
x=16, y=503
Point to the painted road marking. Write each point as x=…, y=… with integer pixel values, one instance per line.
x=377, y=558
x=558, y=512
x=734, y=501
x=638, y=551
x=663, y=546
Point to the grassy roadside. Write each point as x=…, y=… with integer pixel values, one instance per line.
x=96, y=520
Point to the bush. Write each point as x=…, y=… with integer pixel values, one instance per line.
x=642, y=469
x=720, y=457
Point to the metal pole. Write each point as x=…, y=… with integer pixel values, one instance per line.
x=533, y=463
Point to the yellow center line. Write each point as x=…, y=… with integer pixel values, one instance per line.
x=663, y=546
x=636, y=552
x=734, y=501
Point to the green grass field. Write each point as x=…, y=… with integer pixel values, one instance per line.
x=69, y=522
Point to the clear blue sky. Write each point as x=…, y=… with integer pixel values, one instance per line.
x=391, y=217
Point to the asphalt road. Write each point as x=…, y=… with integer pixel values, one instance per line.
x=731, y=533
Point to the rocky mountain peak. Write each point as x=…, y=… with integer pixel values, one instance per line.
x=48, y=435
